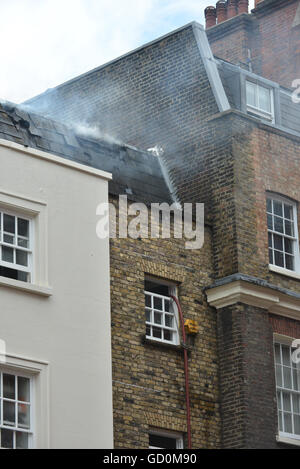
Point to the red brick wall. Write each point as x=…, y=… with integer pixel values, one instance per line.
x=273, y=42
x=285, y=326
x=276, y=45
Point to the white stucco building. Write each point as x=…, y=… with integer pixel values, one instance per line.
x=55, y=356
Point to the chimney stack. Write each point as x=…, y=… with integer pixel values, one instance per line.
x=243, y=6
x=221, y=11
x=210, y=16
x=231, y=9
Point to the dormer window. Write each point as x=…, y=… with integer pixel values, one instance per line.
x=260, y=100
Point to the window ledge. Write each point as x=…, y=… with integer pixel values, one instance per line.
x=288, y=441
x=26, y=287
x=286, y=272
x=158, y=343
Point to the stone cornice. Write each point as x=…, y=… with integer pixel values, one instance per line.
x=252, y=291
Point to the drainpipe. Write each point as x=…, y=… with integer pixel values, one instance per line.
x=186, y=372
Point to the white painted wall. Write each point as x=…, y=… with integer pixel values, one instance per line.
x=69, y=330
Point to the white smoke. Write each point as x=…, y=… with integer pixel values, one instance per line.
x=91, y=131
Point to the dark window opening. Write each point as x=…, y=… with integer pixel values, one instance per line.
x=157, y=288
x=164, y=442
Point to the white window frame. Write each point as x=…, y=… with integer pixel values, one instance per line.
x=30, y=250
x=16, y=428
x=256, y=110
x=281, y=341
x=174, y=330
x=167, y=434
x=37, y=212
x=294, y=239
x=38, y=371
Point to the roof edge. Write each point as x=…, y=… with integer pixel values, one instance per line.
x=211, y=67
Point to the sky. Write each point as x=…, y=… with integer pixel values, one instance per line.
x=47, y=42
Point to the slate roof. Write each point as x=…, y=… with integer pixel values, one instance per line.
x=138, y=174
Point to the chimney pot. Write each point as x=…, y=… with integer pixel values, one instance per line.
x=231, y=9
x=221, y=11
x=257, y=2
x=243, y=6
x=210, y=16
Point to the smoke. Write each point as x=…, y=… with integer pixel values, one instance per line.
x=91, y=131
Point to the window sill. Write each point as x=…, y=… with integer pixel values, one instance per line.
x=287, y=273
x=164, y=345
x=288, y=441
x=25, y=287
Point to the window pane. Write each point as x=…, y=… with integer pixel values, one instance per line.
x=22, y=258
x=287, y=378
x=7, y=439
x=167, y=305
x=287, y=423
x=23, y=389
x=286, y=355
x=156, y=332
x=289, y=228
x=288, y=211
x=289, y=262
x=21, y=440
x=10, y=239
x=296, y=402
x=168, y=320
x=278, y=208
x=9, y=386
x=280, y=421
x=23, y=416
x=270, y=240
x=278, y=258
x=157, y=317
x=9, y=413
x=9, y=223
x=250, y=91
x=286, y=400
x=7, y=254
x=148, y=331
x=277, y=353
x=270, y=222
x=278, y=224
x=278, y=242
x=168, y=335
x=278, y=376
x=158, y=303
x=269, y=205
x=297, y=424
x=148, y=300
x=264, y=99
x=23, y=227
x=148, y=315
x=288, y=245
x=271, y=261
x=23, y=243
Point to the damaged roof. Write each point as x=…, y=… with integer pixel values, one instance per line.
x=135, y=173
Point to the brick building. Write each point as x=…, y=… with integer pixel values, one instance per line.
x=220, y=104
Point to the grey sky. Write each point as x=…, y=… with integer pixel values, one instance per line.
x=46, y=42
